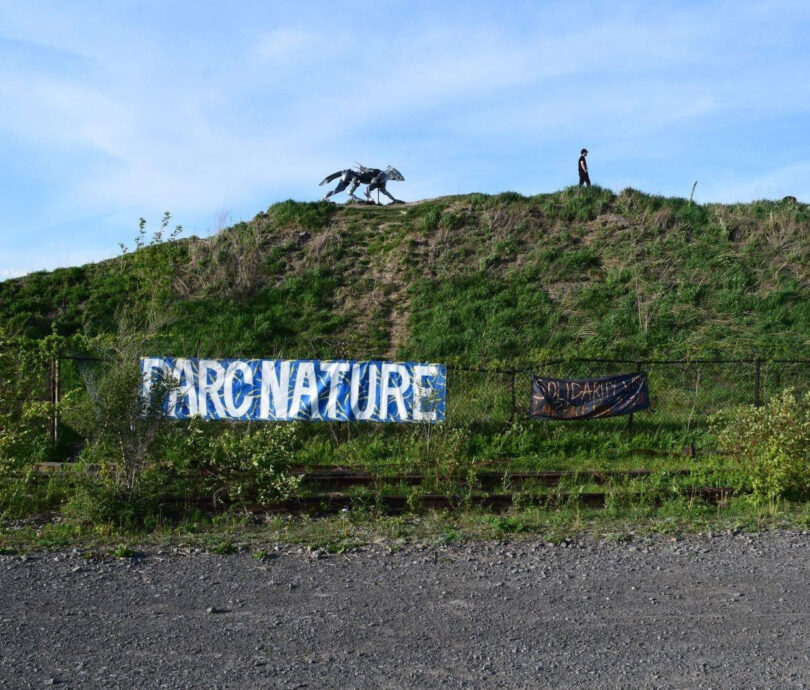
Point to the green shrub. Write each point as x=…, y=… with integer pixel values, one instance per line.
x=127, y=428
x=97, y=502
x=24, y=439
x=241, y=463
x=25, y=420
x=772, y=444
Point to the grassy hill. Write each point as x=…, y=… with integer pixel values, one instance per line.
x=479, y=281
x=469, y=279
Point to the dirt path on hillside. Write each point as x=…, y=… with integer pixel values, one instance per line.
x=728, y=611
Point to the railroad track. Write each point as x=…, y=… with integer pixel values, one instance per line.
x=328, y=482
x=336, y=477
x=393, y=504
x=339, y=477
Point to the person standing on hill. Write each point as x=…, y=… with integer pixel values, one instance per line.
x=584, y=178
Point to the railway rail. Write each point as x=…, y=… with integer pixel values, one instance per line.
x=485, y=489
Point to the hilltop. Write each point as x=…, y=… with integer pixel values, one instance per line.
x=470, y=279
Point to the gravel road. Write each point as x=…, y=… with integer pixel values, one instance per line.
x=722, y=611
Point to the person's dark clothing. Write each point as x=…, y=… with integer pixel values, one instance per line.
x=584, y=178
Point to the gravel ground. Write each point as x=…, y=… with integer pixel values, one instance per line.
x=722, y=611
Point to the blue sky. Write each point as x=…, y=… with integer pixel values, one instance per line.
x=117, y=110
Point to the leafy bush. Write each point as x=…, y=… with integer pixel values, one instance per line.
x=240, y=463
x=24, y=442
x=126, y=429
x=93, y=502
x=25, y=419
x=772, y=443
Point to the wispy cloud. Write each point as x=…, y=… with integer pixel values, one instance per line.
x=191, y=108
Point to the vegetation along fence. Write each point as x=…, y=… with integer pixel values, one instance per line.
x=684, y=396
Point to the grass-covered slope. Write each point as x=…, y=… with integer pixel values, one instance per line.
x=477, y=280
x=469, y=279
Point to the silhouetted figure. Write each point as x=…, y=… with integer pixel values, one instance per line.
x=584, y=179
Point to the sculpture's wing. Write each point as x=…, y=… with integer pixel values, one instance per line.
x=363, y=169
x=394, y=174
x=329, y=178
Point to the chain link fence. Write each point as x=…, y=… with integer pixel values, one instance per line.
x=684, y=394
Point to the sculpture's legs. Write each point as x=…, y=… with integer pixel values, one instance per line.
x=386, y=192
x=355, y=185
x=337, y=190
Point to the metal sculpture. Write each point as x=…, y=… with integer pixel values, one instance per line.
x=374, y=178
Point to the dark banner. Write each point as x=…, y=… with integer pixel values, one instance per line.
x=588, y=398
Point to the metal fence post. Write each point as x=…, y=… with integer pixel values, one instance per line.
x=514, y=399
x=54, y=398
x=630, y=416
